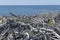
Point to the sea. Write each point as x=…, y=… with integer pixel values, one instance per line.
x=27, y=9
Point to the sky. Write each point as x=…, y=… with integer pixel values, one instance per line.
x=29, y=2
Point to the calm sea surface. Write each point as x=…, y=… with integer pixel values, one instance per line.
x=27, y=9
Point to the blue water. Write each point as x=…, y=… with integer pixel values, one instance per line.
x=27, y=9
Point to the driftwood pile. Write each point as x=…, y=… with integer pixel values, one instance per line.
x=29, y=28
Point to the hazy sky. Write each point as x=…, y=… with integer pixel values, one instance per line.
x=29, y=2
